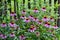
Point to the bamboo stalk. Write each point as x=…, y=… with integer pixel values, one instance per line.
x=8, y=12
x=38, y=7
x=47, y=4
x=52, y=7
x=3, y=3
x=20, y=2
x=56, y=13
x=37, y=3
x=32, y=5
x=16, y=7
x=26, y=4
x=0, y=13
x=12, y=5
x=42, y=3
x=52, y=10
x=31, y=2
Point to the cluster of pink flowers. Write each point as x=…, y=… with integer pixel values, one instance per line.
x=45, y=21
x=36, y=10
x=12, y=35
x=11, y=25
x=35, y=19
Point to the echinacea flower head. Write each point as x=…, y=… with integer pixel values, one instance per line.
x=4, y=36
x=35, y=10
x=17, y=27
x=27, y=20
x=12, y=24
x=15, y=18
x=32, y=28
x=51, y=19
x=39, y=22
x=12, y=35
x=22, y=17
x=23, y=12
x=35, y=19
x=22, y=37
x=3, y=24
x=12, y=14
x=55, y=26
x=43, y=9
x=31, y=17
x=47, y=24
x=37, y=34
x=1, y=35
x=45, y=19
